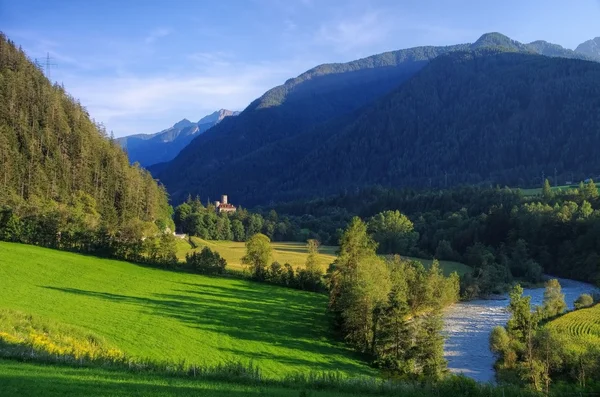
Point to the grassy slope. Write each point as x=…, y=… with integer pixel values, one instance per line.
x=580, y=327
x=158, y=314
x=289, y=252
x=20, y=379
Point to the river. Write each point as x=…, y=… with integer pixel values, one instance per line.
x=467, y=327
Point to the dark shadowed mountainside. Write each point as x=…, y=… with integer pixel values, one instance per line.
x=397, y=119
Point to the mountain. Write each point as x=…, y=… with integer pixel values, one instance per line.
x=590, y=48
x=554, y=50
x=149, y=149
x=289, y=142
x=57, y=163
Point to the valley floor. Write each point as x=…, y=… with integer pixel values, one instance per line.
x=293, y=253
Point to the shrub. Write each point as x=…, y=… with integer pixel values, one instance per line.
x=584, y=300
x=206, y=261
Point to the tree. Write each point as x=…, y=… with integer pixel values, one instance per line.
x=258, y=253
x=547, y=193
x=237, y=229
x=554, y=299
x=206, y=261
x=523, y=322
x=430, y=347
x=362, y=302
x=312, y=271
x=393, y=232
x=355, y=245
x=584, y=300
x=589, y=191
x=499, y=341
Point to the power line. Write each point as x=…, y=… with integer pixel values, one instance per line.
x=47, y=64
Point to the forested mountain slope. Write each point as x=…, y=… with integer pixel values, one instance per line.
x=58, y=167
x=294, y=140
x=149, y=149
x=468, y=118
x=319, y=95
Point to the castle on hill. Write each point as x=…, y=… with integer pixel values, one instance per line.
x=224, y=206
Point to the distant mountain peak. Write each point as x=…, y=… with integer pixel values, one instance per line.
x=590, y=48
x=495, y=39
x=217, y=116
x=182, y=124
x=149, y=149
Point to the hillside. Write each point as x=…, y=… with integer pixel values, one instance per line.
x=498, y=118
x=277, y=133
x=174, y=316
x=59, y=169
x=316, y=96
x=149, y=149
x=579, y=329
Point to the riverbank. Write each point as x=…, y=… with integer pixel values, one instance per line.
x=467, y=326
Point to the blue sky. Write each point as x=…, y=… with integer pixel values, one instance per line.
x=141, y=65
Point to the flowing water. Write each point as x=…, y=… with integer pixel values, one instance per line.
x=467, y=326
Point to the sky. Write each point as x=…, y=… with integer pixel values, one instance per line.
x=139, y=66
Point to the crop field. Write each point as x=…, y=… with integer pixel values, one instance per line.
x=581, y=328
x=164, y=315
x=290, y=252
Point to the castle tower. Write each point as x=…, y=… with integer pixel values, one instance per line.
x=224, y=199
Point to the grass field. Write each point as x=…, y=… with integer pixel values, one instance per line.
x=147, y=312
x=289, y=252
x=33, y=380
x=283, y=252
x=580, y=327
x=36, y=380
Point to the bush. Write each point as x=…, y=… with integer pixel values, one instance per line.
x=206, y=261
x=584, y=300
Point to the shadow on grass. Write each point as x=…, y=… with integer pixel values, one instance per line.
x=89, y=384
x=292, y=321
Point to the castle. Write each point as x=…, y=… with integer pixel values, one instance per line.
x=223, y=205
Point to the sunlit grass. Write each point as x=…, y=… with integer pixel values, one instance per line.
x=293, y=253
x=580, y=328
x=164, y=315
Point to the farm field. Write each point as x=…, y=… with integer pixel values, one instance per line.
x=151, y=313
x=293, y=253
x=581, y=328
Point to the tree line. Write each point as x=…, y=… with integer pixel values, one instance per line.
x=195, y=219
x=501, y=233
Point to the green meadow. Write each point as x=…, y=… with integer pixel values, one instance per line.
x=164, y=315
x=293, y=253
x=35, y=380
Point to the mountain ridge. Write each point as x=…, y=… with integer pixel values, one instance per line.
x=150, y=149
x=297, y=111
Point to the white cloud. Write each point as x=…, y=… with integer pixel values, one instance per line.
x=157, y=34
x=129, y=105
